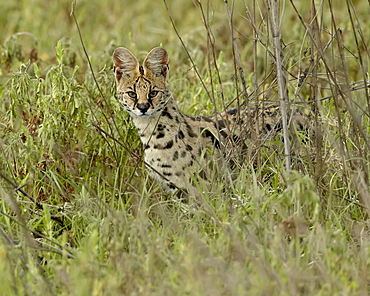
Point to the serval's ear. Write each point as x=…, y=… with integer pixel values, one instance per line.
x=157, y=62
x=125, y=63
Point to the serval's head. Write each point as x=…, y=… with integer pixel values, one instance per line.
x=142, y=89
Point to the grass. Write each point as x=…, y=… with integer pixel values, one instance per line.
x=79, y=215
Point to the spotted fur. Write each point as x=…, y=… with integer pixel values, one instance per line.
x=178, y=147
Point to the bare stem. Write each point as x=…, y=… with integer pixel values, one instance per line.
x=281, y=79
x=236, y=53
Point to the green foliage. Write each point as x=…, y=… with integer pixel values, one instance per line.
x=78, y=213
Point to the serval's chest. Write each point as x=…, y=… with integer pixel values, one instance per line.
x=177, y=147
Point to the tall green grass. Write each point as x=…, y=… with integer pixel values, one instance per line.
x=79, y=214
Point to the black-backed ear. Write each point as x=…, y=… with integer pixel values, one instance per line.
x=124, y=63
x=157, y=62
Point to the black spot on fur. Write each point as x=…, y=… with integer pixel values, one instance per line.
x=232, y=112
x=223, y=133
x=165, y=113
x=160, y=135
x=203, y=175
x=183, y=154
x=183, y=195
x=166, y=166
x=219, y=125
x=181, y=135
x=269, y=113
x=207, y=134
x=190, y=131
x=189, y=164
x=208, y=119
x=146, y=146
x=278, y=127
x=188, y=147
x=175, y=155
x=171, y=186
x=236, y=139
x=167, y=174
x=168, y=145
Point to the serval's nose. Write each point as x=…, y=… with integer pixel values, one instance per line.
x=143, y=107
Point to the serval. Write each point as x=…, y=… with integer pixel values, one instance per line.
x=181, y=149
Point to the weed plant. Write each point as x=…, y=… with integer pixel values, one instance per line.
x=79, y=214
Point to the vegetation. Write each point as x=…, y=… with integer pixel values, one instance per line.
x=79, y=215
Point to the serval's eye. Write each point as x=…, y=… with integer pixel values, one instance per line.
x=132, y=94
x=152, y=94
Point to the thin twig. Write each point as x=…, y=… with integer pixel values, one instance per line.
x=314, y=91
x=236, y=54
x=283, y=91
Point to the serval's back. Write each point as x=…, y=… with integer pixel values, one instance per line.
x=180, y=148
